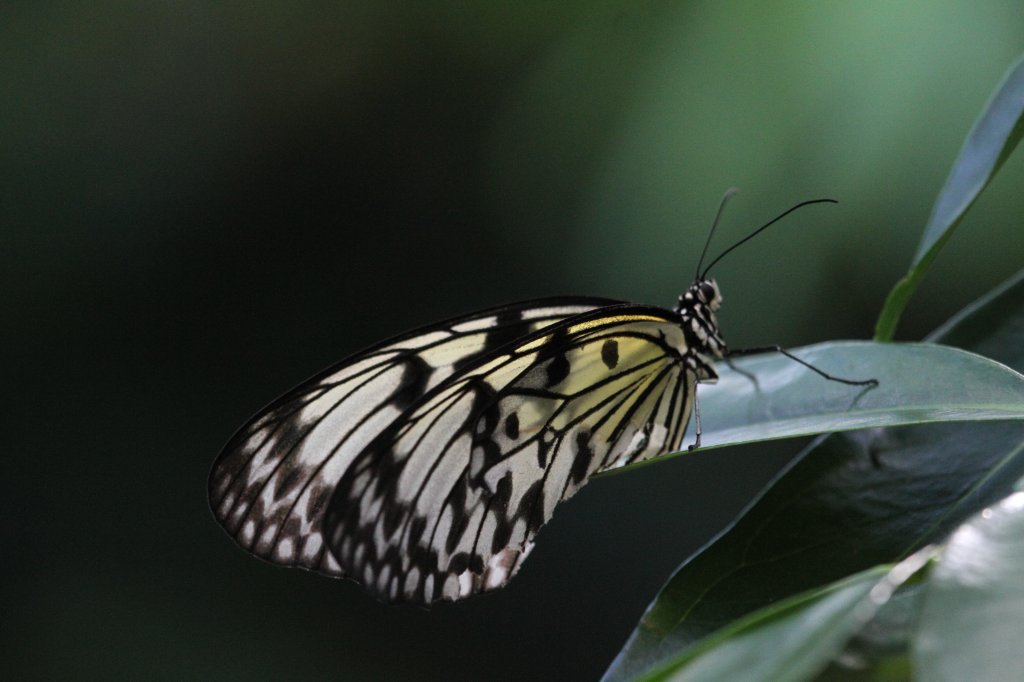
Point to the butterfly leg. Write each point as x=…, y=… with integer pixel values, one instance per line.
x=696, y=416
x=733, y=367
x=780, y=349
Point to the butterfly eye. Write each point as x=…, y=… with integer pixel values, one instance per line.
x=707, y=291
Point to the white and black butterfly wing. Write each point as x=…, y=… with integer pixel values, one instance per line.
x=446, y=501
x=271, y=483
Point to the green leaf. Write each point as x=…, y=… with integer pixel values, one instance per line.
x=849, y=502
x=990, y=326
x=790, y=640
x=992, y=139
x=880, y=651
x=918, y=383
x=973, y=610
x=795, y=638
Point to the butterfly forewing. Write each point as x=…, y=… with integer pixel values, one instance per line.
x=445, y=502
x=270, y=485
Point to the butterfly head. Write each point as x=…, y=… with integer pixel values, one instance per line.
x=697, y=305
x=706, y=291
x=696, y=309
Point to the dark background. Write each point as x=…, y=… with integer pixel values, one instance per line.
x=203, y=203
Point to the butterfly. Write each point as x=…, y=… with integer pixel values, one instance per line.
x=424, y=466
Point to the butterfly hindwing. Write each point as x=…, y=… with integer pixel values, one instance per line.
x=445, y=502
x=272, y=481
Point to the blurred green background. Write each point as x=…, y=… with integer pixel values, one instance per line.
x=203, y=203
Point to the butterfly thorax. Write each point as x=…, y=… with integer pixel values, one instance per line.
x=696, y=310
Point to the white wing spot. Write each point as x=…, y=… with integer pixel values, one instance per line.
x=498, y=567
x=248, y=531
x=412, y=578
x=451, y=587
x=636, y=446
x=428, y=586
x=382, y=578
x=466, y=583
x=312, y=545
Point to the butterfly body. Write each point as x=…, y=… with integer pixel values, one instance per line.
x=423, y=467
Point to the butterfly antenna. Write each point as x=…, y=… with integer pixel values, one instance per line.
x=762, y=229
x=729, y=194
